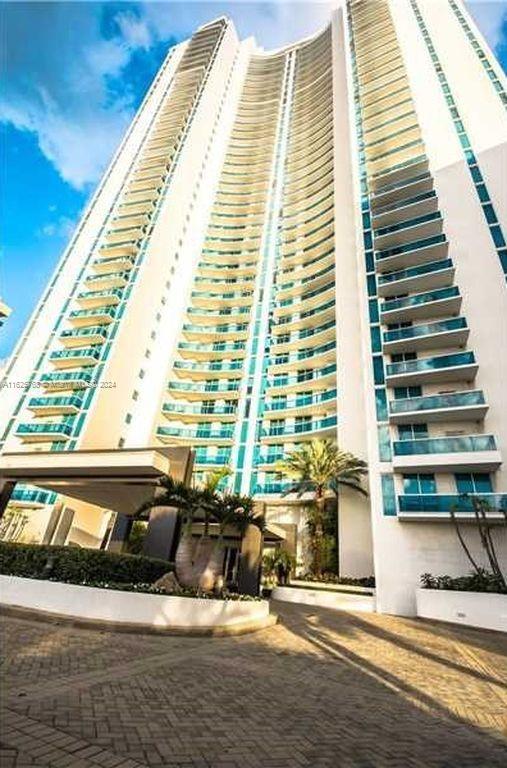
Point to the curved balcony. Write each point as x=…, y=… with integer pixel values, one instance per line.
x=288, y=361
x=216, y=351
x=286, y=433
x=66, y=381
x=469, y=405
x=441, y=301
x=233, y=298
x=124, y=250
x=313, y=298
x=106, y=281
x=403, y=172
x=210, y=315
x=306, y=319
x=439, y=506
x=94, y=299
x=287, y=341
x=205, y=459
x=460, y=366
x=75, y=358
x=270, y=489
x=196, y=436
x=219, y=369
x=96, y=334
x=113, y=264
x=401, y=191
x=318, y=403
x=225, y=412
x=219, y=390
x=218, y=332
x=436, y=274
x=82, y=318
x=44, y=433
x=46, y=406
x=310, y=380
x=446, y=333
x=461, y=453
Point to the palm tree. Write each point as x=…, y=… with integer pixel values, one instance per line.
x=214, y=477
x=319, y=466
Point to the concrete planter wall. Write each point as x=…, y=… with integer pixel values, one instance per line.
x=474, y=609
x=326, y=598
x=130, y=608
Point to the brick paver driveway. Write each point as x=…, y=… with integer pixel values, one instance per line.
x=321, y=688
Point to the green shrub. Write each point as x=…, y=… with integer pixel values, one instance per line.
x=483, y=581
x=76, y=565
x=332, y=578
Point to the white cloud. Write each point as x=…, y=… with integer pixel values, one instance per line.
x=489, y=16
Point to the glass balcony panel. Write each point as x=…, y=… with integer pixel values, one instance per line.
x=443, y=503
x=431, y=402
x=425, y=329
x=457, y=444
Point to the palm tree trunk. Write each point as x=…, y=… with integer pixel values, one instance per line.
x=184, y=560
x=319, y=532
x=337, y=535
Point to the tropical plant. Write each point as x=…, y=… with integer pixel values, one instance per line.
x=277, y=565
x=317, y=467
x=199, y=565
x=484, y=525
x=215, y=477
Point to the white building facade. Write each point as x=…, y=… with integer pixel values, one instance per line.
x=303, y=243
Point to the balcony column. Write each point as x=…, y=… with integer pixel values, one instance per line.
x=120, y=533
x=250, y=561
x=6, y=489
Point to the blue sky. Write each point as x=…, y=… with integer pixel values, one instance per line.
x=73, y=76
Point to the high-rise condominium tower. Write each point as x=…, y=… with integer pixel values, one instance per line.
x=309, y=242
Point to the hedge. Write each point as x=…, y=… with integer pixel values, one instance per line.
x=76, y=565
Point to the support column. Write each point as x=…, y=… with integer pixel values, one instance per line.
x=162, y=535
x=250, y=561
x=120, y=533
x=63, y=526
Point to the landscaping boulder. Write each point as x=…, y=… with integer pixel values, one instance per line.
x=168, y=582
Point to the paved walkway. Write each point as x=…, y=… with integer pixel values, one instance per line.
x=321, y=688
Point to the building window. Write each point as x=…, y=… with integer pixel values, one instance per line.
x=417, y=483
x=128, y=418
x=473, y=482
x=412, y=431
x=135, y=394
x=400, y=393
x=121, y=442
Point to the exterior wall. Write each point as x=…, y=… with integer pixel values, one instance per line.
x=260, y=314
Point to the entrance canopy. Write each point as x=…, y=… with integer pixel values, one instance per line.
x=118, y=479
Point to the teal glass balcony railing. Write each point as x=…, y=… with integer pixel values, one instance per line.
x=196, y=434
x=111, y=293
x=64, y=354
x=199, y=410
x=234, y=365
x=431, y=363
x=457, y=444
x=434, y=402
x=94, y=330
x=77, y=376
x=286, y=381
x=33, y=497
x=398, y=204
x=207, y=329
x=304, y=333
x=297, y=429
x=415, y=245
x=408, y=223
x=43, y=429
x=219, y=460
x=425, y=329
x=218, y=312
x=113, y=260
x=224, y=281
x=222, y=296
x=444, y=503
x=55, y=402
x=108, y=311
x=303, y=354
x=219, y=346
x=421, y=298
x=272, y=488
x=107, y=276
x=300, y=402
x=208, y=387
x=269, y=458
x=422, y=269
x=305, y=280
x=308, y=313
x=305, y=296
